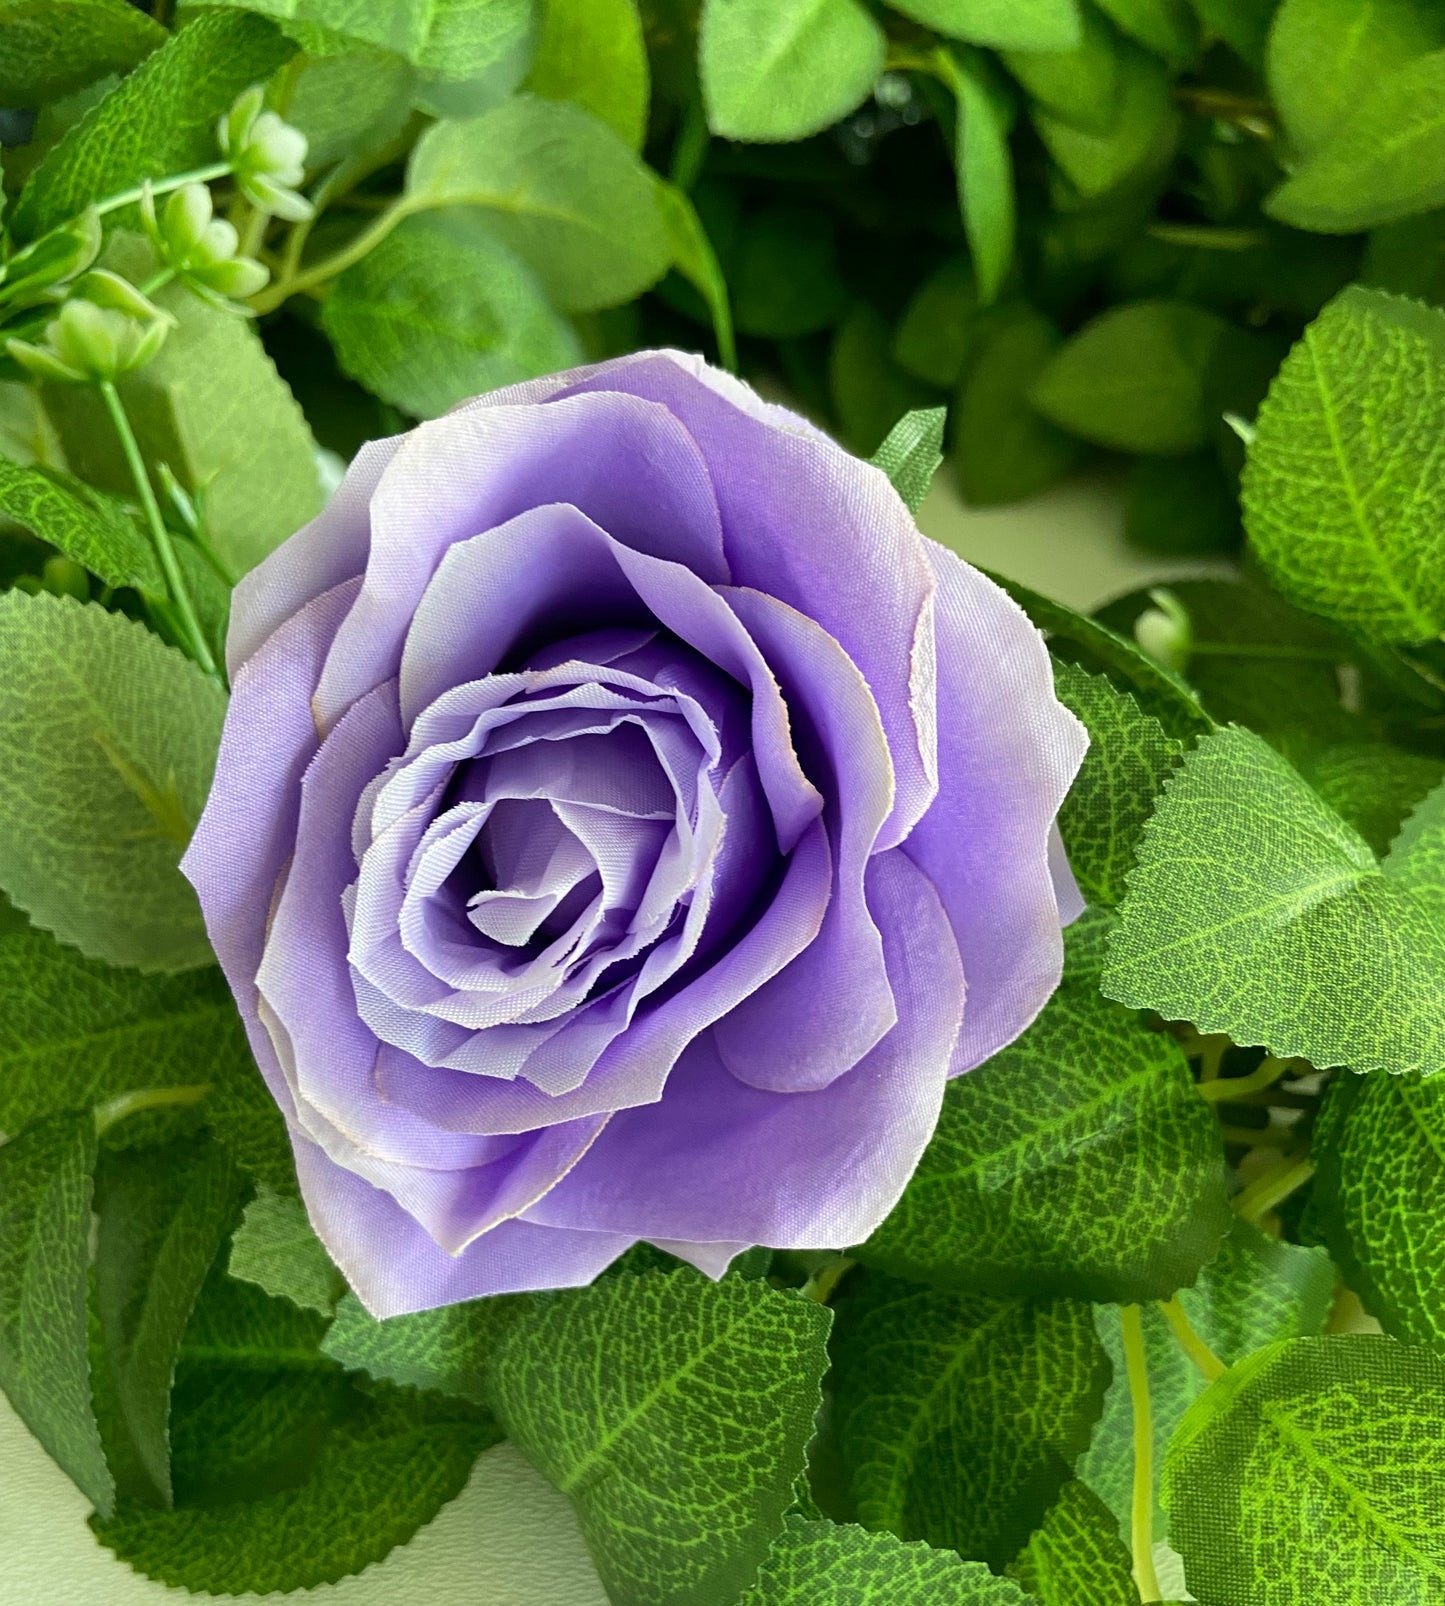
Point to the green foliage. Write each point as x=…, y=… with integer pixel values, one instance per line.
x=785, y=275
x=449, y=1349
x=1076, y=1557
x=82, y=523
x=592, y=52
x=911, y=454
x=275, y=1248
x=109, y=738
x=676, y=1413
x=938, y=326
x=958, y=1417
x=1344, y=486
x=1078, y=1162
x=45, y=1192
x=985, y=175
x=1005, y=24
x=50, y=47
x=1282, y=1431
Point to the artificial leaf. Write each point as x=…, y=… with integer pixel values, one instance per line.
x=49, y=48
x=1140, y=137
x=1242, y=24
x=1257, y=1291
x=783, y=69
x=676, y=1414
x=1076, y=1557
x=785, y=274
x=1255, y=910
x=349, y=102
x=84, y=524
x=45, y=1192
x=559, y=187
x=958, y=1417
x=1167, y=27
x=163, y=1215
x=695, y=259
x=1344, y=488
x=1372, y=785
x=276, y=1248
x=985, y=172
x=159, y=120
x=440, y=311
x=1079, y=1161
x=911, y=454
x=1348, y=1435
x=109, y=739
x=839, y=1564
x=1004, y=24
x=939, y=325
x=448, y=1349
x=1181, y=506
x=592, y=52
x=870, y=393
x=1080, y=84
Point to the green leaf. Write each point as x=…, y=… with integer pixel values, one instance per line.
x=939, y=325
x=1346, y=1434
x=784, y=69
x=984, y=166
x=912, y=452
x=676, y=1414
x=1139, y=140
x=350, y=102
x=1242, y=24
x=958, y=1418
x=1344, y=488
x=1325, y=56
x=838, y=1564
x=1255, y=910
x=1258, y=1291
x=1384, y=160
x=1372, y=785
x=45, y=1191
x=49, y=48
x=1129, y=759
x=159, y=120
x=560, y=188
x=441, y=311
x=1004, y=24
x=1167, y=27
x=163, y=1215
x=449, y=1349
x=1080, y=83
x=107, y=742
x=84, y=524
x=1076, y=1558
x=592, y=52
x=786, y=280
x=1003, y=448
x=1136, y=378
x=1080, y=1161
x=1181, y=506
x=869, y=392
x=695, y=259
x=275, y=1248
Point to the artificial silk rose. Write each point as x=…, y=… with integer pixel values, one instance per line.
x=626, y=821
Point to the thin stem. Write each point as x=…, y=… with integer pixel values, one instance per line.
x=1212, y=1050
x=160, y=535
x=1141, y=1526
x=163, y=186
x=1207, y=236
x=1227, y=1088
x=1190, y=1342
x=157, y=281
x=338, y=262
x=822, y=1284
x=690, y=148
x=145, y=1098
x=1273, y=1188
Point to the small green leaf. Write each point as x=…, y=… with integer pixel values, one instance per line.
x=1344, y=488
x=275, y=1248
x=107, y=742
x=939, y=325
x=1385, y=158
x=591, y=52
x=784, y=69
x=1137, y=377
x=695, y=259
x=958, y=1418
x=1241, y=24
x=1348, y=1435
x=870, y=393
x=838, y=1564
x=45, y=1192
x=912, y=452
x=1004, y=24
x=559, y=187
x=1255, y=910
x=1140, y=138
x=984, y=166
x=350, y=102
x=84, y=524
x=676, y=1413
x=1080, y=83
x=50, y=48
x=1167, y=27
x=159, y=120
x=449, y=1349
x=1076, y=1558
x=1079, y=1162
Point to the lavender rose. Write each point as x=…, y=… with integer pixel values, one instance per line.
x=626, y=821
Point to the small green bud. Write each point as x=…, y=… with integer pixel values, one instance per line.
x=202, y=248
x=64, y=577
x=1165, y=631
x=267, y=156
x=32, y=275
x=106, y=328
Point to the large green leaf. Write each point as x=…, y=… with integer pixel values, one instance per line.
x=107, y=743
x=958, y=1417
x=676, y=1413
x=783, y=69
x=592, y=52
x=49, y=48
x=350, y=102
x=1004, y=24
x=440, y=311
x=1255, y=910
x=1344, y=488
x=1079, y=1161
x=1257, y=1291
x=1076, y=1558
x=1345, y=1434
x=559, y=187
x=159, y=120
x=276, y=1248
x=82, y=523
x=45, y=1192
x=838, y=1564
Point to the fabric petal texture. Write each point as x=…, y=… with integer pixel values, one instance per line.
x=625, y=823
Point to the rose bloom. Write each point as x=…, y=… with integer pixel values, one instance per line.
x=625, y=823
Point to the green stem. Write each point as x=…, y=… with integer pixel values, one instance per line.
x=821, y=1285
x=1190, y=1342
x=338, y=262
x=1212, y=1050
x=157, y=281
x=160, y=535
x=1227, y=1088
x=145, y=1098
x=1141, y=1525
x=163, y=186
x=1273, y=1188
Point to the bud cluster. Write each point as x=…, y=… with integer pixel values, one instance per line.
x=105, y=329
x=201, y=248
x=267, y=157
